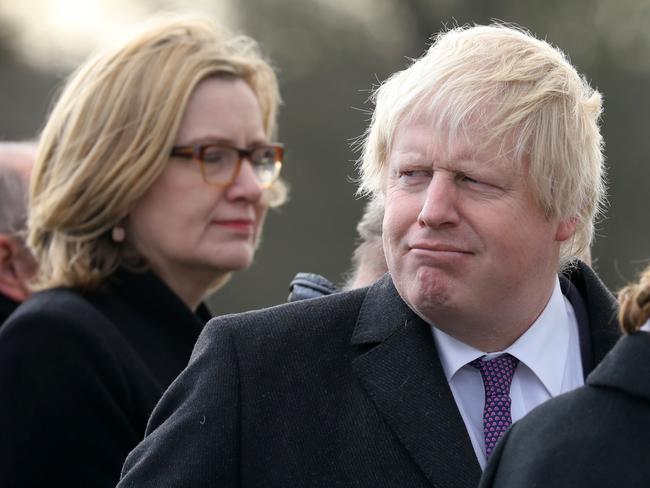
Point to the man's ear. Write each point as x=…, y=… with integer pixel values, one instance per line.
x=566, y=228
x=12, y=282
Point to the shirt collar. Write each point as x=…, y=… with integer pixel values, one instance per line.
x=542, y=348
x=646, y=326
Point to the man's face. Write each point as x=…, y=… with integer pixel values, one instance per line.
x=466, y=243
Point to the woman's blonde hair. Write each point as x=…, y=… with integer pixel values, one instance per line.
x=634, y=303
x=110, y=134
x=516, y=92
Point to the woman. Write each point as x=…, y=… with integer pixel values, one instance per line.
x=597, y=435
x=151, y=184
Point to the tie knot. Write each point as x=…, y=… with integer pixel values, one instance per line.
x=497, y=373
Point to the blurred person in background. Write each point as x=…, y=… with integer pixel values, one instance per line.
x=597, y=435
x=368, y=261
x=17, y=265
x=487, y=154
x=152, y=180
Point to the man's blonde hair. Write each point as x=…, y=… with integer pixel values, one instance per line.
x=518, y=93
x=110, y=134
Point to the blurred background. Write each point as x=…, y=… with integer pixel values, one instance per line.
x=329, y=54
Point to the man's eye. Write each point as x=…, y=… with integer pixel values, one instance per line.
x=469, y=179
x=415, y=174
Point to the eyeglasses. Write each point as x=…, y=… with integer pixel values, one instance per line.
x=220, y=163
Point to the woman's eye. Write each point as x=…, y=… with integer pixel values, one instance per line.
x=215, y=155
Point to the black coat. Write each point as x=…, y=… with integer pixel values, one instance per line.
x=80, y=375
x=341, y=391
x=7, y=306
x=595, y=436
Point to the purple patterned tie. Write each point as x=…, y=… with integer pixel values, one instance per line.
x=497, y=375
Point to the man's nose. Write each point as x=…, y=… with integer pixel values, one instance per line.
x=440, y=202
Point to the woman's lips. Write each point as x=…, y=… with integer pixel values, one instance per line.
x=240, y=226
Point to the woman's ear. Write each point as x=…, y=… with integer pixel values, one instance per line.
x=14, y=270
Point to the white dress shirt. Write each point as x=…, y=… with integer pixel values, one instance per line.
x=549, y=364
x=646, y=326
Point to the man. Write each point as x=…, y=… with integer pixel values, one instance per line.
x=487, y=154
x=17, y=265
x=368, y=261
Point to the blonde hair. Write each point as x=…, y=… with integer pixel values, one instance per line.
x=110, y=134
x=634, y=303
x=517, y=92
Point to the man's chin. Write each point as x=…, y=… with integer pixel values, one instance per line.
x=426, y=292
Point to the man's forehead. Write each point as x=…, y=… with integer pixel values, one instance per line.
x=424, y=136
x=418, y=137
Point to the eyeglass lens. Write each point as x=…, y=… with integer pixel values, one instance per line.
x=220, y=163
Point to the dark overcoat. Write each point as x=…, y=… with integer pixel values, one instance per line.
x=341, y=391
x=7, y=306
x=80, y=375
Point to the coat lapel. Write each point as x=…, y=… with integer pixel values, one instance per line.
x=399, y=368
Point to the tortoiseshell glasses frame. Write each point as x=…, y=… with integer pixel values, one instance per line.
x=221, y=163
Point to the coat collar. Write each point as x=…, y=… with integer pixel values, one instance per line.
x=596, y=311
x=399, y=367
x=144, y=290
x=7, y=306
x=622, y=367
x=382, y=312
x=152, y=317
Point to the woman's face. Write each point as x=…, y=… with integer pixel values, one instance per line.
x=190, y=232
